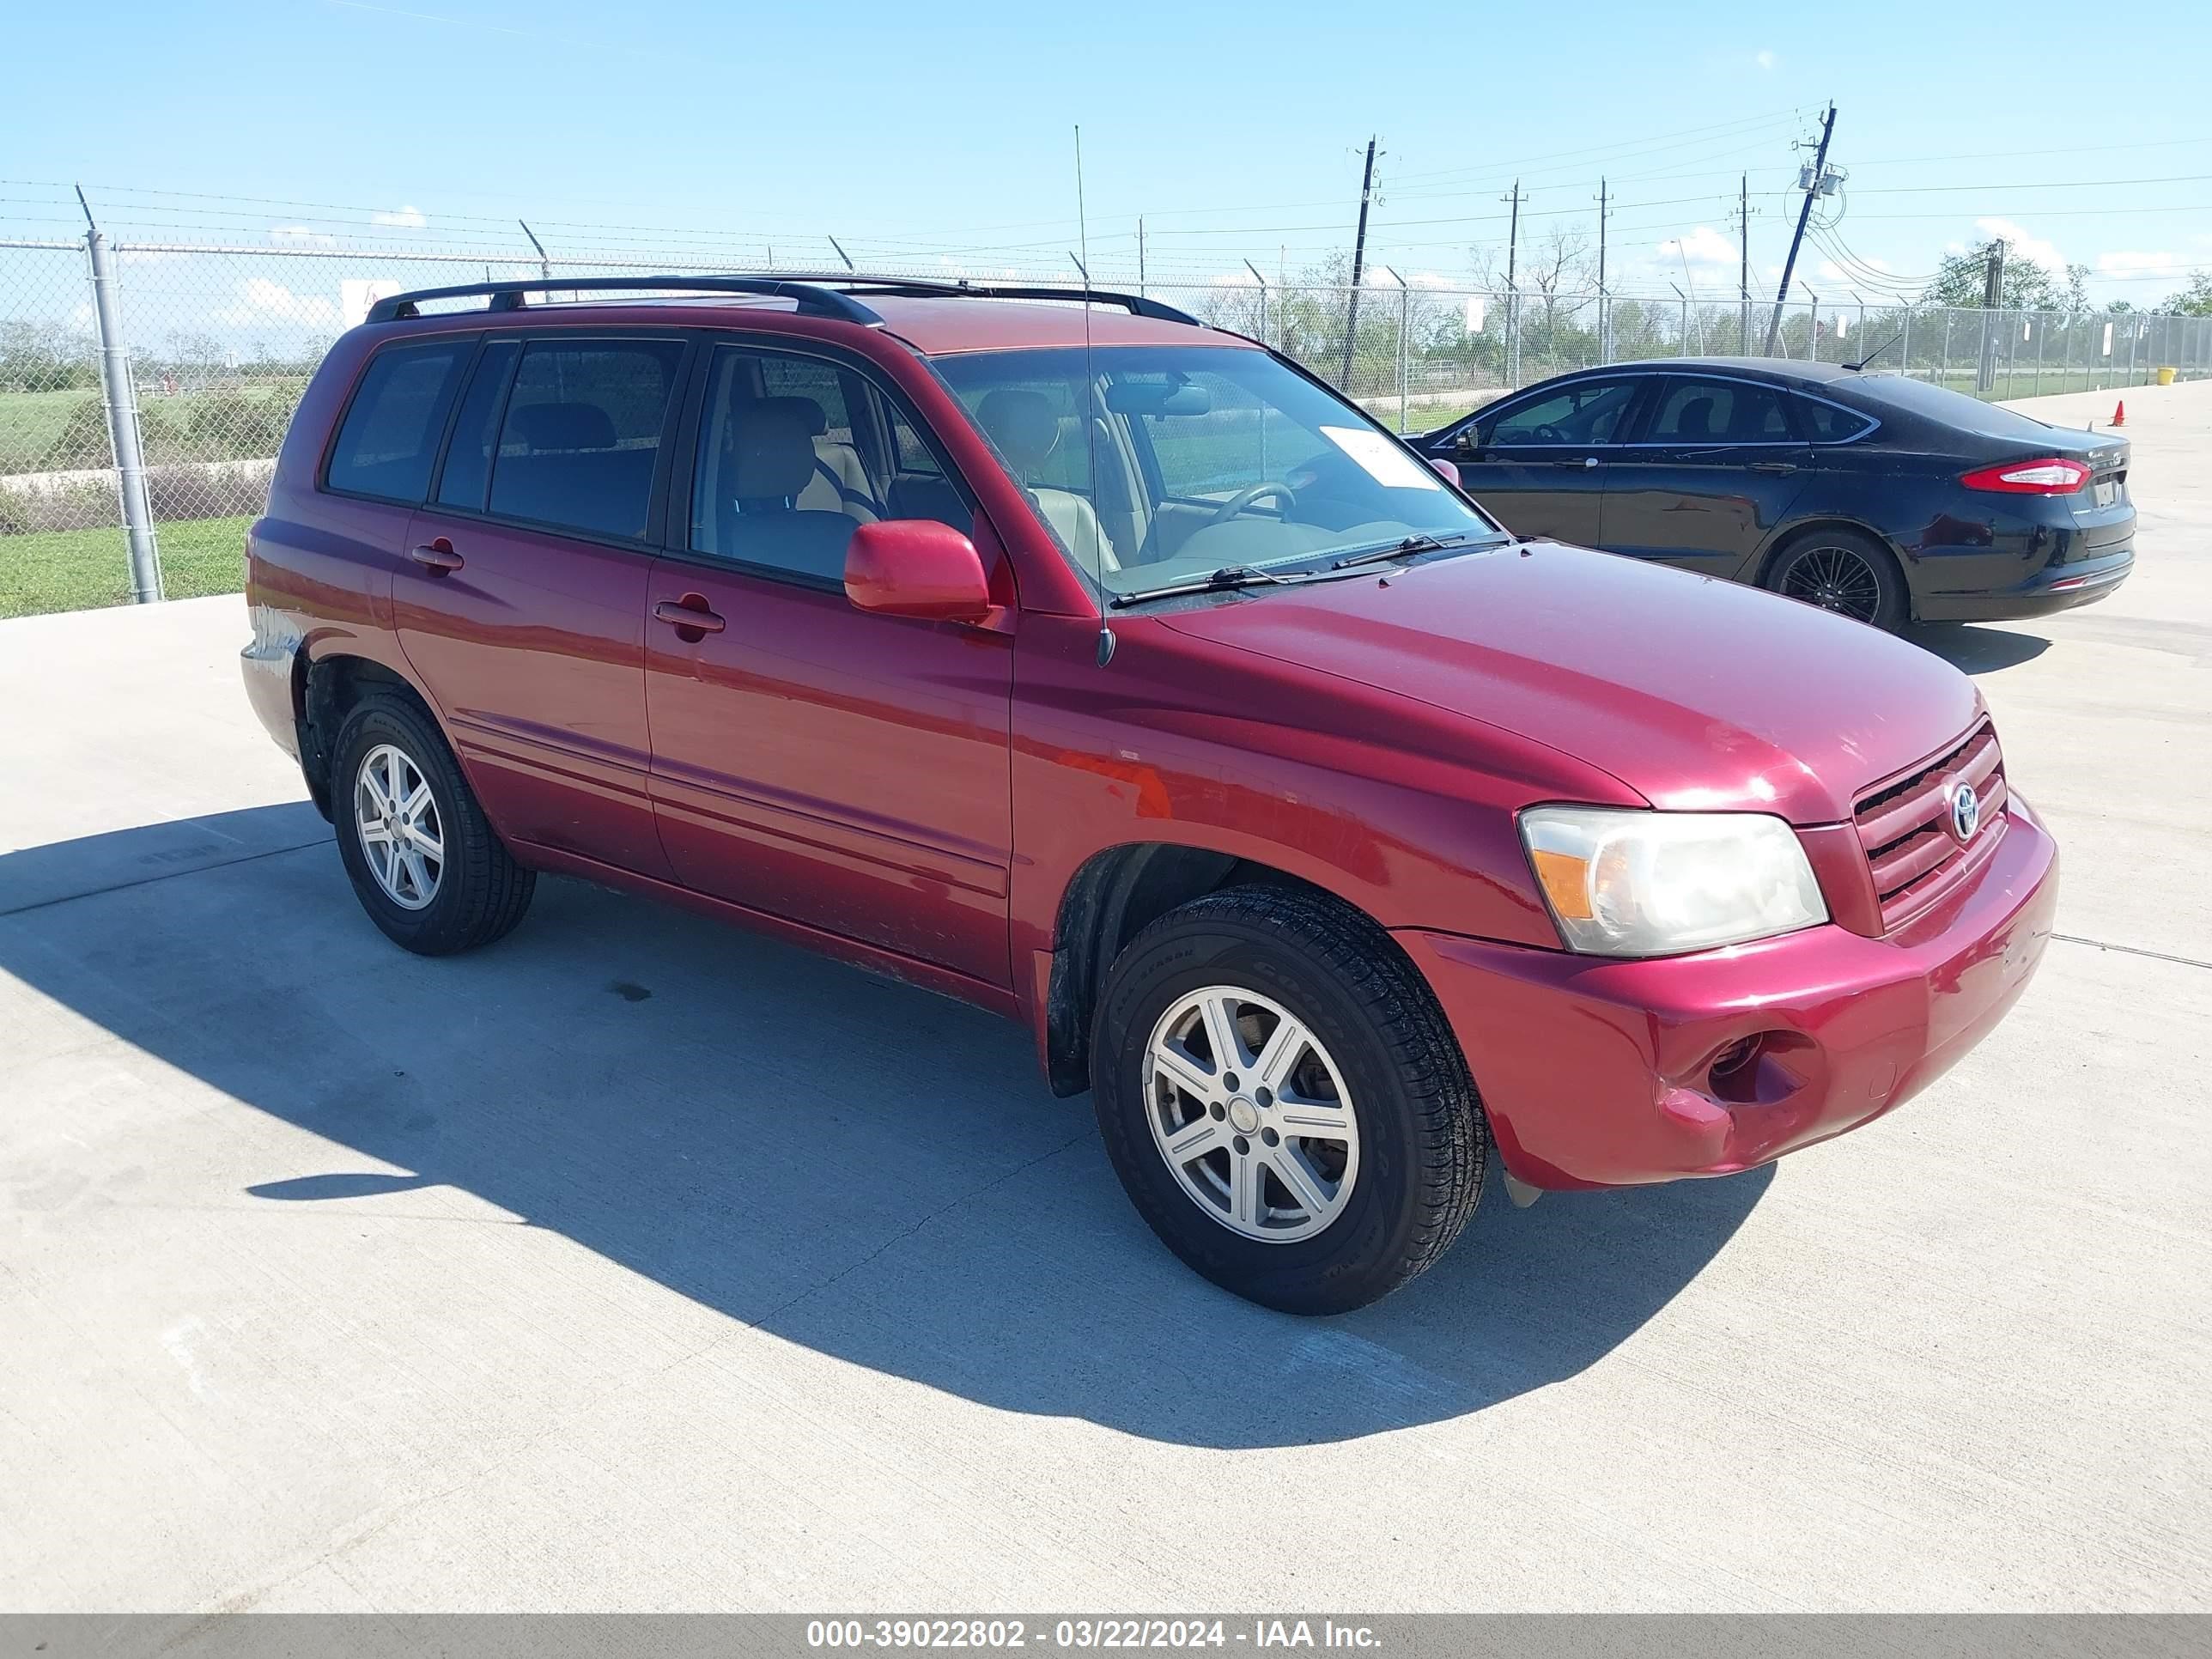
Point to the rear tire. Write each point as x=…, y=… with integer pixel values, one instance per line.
x=1844, y=572
x=422, y=857
x=1349, y=1175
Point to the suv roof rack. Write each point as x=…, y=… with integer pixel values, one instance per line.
x=815, y=294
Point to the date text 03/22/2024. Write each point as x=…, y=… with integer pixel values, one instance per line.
x=1085, y=1634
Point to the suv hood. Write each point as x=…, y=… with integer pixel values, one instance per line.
x=1698, y=693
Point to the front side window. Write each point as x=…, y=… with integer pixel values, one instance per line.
x=389, y=438
x=1155, y=465
x=795, y=452
x=1589, y=412
x=581, y=434
x=1719, y=412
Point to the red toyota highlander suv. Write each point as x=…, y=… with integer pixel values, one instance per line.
x=1110, y=672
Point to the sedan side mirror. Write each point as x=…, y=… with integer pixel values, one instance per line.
x=1446, y=470
x=1467, y=442
x=916, y=568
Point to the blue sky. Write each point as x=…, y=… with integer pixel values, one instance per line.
x=943, y=133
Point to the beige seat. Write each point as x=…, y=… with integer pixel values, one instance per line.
x=840, y=482
x=1022, y=423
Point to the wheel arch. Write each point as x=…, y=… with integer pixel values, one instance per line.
x=324, y=690
x=1113, y=896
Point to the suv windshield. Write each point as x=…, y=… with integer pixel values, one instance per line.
x=1183, y=461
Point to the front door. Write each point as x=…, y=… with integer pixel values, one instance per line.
x=522, y=602
x=1716, y=465
x=812, y=761
x=1540, y=463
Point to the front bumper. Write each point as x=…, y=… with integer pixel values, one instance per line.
x=1602, y=1074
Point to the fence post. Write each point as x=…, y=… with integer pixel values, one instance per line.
x=123, y=424
x=1405, y=324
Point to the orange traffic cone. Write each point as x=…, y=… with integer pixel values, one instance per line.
x=2119, y=413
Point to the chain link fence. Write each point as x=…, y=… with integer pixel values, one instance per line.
x=220, y=341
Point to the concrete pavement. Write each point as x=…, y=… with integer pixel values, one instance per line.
x=638, y=1263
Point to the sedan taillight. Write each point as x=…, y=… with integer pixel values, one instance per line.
x=2055, y=476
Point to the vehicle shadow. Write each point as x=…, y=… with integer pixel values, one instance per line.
x=1977, y=649
x=848, y=1163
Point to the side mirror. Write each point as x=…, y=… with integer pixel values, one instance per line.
x=1467, y=442
x=1445, y=470
x=916, y=568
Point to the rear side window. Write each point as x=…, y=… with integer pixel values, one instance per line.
x=581, y=434
x=476, y=429
x=1831, y=423
x=1719, y=412
x=389, y=439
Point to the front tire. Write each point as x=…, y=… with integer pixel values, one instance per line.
x=422, y=857
x=1283, y=1100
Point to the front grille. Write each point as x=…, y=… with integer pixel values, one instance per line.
x=1906, y=827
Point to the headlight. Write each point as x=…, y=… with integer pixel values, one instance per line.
x=1628, y=884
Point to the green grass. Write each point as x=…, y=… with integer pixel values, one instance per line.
x=84, y=570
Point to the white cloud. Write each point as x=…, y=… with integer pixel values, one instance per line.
x=408, y=218
x=2034, y=249
x=2139, y=264
x=1702, y=247
x=1764, y=58
x=261, y=301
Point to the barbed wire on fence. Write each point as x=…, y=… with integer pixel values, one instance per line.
x=221, y=339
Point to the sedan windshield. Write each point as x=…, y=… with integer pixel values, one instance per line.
x=1184, y=463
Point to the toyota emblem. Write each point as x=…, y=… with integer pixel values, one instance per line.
x=1966, y=811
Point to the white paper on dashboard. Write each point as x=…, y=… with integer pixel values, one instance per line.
x=1382, y=460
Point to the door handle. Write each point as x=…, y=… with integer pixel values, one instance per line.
x=688, y=615
x=437, y=556
x=1778, y=468
x=1589, y=460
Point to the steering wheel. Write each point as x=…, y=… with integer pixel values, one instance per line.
x=1549, y=434
x=1244, y=498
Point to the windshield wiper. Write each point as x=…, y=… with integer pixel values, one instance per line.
x=1221, y=581
x=1412, y=544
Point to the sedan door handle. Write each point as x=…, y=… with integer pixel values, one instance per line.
x=437, y=556
x=688, y=618
x=1777, y=467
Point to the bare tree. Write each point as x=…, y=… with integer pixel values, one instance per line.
x=1557, y=264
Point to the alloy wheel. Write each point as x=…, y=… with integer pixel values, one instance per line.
x=1251, y=1115
x=1835, y=579
x=397, y=817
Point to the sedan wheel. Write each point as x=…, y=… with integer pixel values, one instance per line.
x=1251, y=1115
x=1835, y=579
x=1848, y=575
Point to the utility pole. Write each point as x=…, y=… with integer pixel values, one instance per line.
x=1141, y=258
x=1985, y=368
x=1804, y=213
x=1513, y=294
x=1743, y=261
x=1359, y=262
x=1604, y=319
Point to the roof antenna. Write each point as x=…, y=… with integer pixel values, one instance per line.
x=1090, y=422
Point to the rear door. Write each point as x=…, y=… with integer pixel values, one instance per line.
x=522, y=602
x=1540, y=462
x=812, y=761
x=1715, y=465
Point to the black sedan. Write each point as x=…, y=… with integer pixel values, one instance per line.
x=1872, y=493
